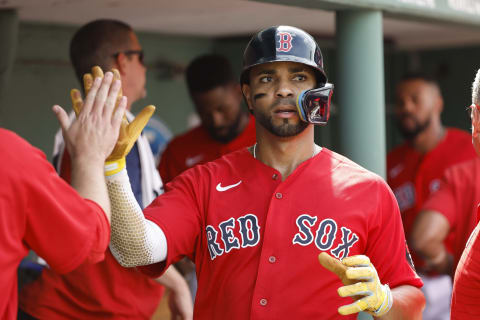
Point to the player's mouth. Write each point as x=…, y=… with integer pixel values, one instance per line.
x=285, y=111
x=407, y=121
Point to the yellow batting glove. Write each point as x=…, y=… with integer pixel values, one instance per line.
x=361, y=283
x=77, y=101
x=129, y=132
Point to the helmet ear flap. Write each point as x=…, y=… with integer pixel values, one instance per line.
x=314, y=105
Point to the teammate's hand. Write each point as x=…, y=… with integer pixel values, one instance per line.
x=129, y=132
x=361, y=283
x=93, y=134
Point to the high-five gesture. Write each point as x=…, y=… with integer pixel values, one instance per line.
x=96, y=129
x=92, y=136
x=129, y=132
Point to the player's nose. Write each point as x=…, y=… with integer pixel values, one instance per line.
x=284, y=89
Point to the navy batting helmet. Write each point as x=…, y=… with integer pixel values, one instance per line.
x=283, y=43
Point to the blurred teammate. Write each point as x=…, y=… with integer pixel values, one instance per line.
x=39, y=211
x=414, y=169
x=449, y=212
x=106, y=289
x=255, y=220
x=226, y=125
x=466, y=288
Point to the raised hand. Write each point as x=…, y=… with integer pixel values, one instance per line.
x=129, y=132
x=95, y=131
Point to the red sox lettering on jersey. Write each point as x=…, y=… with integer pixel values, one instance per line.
x=322, y=237
x=245, y=226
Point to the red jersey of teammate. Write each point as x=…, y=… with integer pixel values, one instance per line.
x=413, y=177
x=39, y=211
x=197, y=147
x=255, y=238
x=457, y=200
x=466, y=286
x=104, y=290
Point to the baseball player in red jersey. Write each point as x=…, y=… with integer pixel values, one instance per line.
x=450, y=210
x=414, y=169
x=466, y=285
x=226, y=125
x=39, y=211
x=255, y=220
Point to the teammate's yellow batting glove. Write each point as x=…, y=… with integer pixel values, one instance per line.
x=129, y=132
x=361, y=283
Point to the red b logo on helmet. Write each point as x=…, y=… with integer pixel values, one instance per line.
x=285, y=42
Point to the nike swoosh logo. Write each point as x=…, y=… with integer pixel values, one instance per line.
x=222, y=189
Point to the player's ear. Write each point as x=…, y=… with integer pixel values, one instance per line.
x=439, y=104
x=247, y=94
x=121, y=63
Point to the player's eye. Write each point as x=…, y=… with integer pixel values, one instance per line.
x=265, y=79
x=300, y=77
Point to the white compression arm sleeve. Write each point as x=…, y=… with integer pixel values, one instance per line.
x=135, y=241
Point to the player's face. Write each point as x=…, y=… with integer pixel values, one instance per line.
x=220, y=111
x=136, y=70
x=417, y=102
x=272, y=93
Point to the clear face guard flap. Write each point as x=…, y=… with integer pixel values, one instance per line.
x=314, y=105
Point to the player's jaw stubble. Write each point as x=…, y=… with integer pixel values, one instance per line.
x=412, y=132
x=287, y=127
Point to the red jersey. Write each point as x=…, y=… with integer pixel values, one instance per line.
x=255, y=238
x=413, y=176
x=105, y=290
x=466, y=286
x=39, y=211
x=457, y=200
x=197, y=147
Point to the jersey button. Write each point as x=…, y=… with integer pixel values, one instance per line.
x=272, y=259
x=278, y=195
x=263, y=302
x=275, y=176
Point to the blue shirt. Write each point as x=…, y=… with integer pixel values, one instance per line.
x=135, y=173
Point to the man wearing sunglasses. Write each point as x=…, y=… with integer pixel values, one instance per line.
x=255, y=220
x=106, y=290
